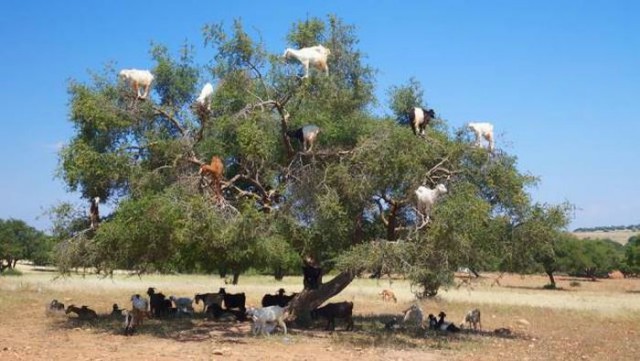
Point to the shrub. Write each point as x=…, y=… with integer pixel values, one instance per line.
x=11, y=272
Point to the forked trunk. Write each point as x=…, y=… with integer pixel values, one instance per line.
x=307, y=300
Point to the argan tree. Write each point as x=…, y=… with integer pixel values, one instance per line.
x=347, y=207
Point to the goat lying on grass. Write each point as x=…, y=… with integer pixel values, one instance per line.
x=84, y=312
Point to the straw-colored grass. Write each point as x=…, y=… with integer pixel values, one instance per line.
x=597, y=320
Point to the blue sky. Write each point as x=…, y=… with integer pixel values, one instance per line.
x=560, y=80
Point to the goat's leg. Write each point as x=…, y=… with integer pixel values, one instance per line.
x=283, y=325
x=146, y=91
x=306, y=69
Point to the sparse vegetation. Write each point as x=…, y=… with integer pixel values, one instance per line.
x=552, y=317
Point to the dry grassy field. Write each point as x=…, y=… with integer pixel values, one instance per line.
x=617, y=236
x=582, y=320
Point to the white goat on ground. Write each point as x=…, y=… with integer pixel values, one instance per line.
x=483, y=130
x=204, y=100
x=413, y=315
x=472, y=318
x=314, y=55
x=427, y=197
x=138, y=78
x=183, y=304
x=264, y=319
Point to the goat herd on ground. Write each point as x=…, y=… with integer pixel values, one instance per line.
x=317, y=56
x=227, y=307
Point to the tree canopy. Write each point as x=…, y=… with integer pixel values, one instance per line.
x=19, y=241
x=349, y=205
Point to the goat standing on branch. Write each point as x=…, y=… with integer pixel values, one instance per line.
x=306, y=135
x=137, y=79
x=482, y=130
x=204, y=99
x=419, y=118
x=314, y=55
x=215, y=169
x=94, y=213
x=427, y=197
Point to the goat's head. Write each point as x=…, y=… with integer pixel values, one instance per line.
x=441, y=188
x=287, y=53
x=124, y=74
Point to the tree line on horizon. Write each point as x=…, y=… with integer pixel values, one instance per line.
x=631, y=227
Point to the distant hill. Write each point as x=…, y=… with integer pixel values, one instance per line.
x=632, y=228
x=620, y=235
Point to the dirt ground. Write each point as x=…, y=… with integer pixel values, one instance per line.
x=592, y=321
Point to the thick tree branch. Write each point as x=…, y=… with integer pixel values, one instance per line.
x=160, y=111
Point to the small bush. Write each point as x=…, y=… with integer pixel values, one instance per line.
x=574, y=284
x=11, y=272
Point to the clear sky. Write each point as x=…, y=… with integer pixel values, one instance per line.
x=560, y=80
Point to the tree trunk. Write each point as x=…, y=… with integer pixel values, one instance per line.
x=391, y=227
x=552, y=280
x=278, y=273
x=222, y=272
x=15, y=262
x=236, y=276
x=475, y=273
x=307, y=300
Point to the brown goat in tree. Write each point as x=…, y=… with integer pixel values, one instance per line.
x=215, y=169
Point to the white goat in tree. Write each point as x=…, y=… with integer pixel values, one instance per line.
x=314, y=55
x=137, y=79
x=427, y=197
x=482, y=130
x=204, y=100
x=94, y=212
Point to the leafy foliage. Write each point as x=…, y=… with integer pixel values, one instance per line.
x=19, y=241
x=349, y=205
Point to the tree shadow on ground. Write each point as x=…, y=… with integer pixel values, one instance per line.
x=194, y=328
x=539, y=288
x=369, y=330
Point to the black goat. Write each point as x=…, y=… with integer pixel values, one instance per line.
x=279, y=299
x=331, y=311
x=219, y=314
x=231, y=300
x=445, y=326
x=158, y=303
x=419, y=118
x=312, y=277
x=116, y=311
